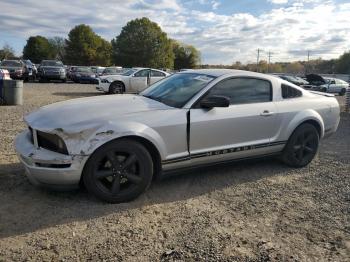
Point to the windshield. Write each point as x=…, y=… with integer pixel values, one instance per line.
x=11, y=63
x=129, y=72
x=83, y=70
x=51, y=63
x=177, y=89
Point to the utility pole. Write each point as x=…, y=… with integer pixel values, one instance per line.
x=268, y=64
x=257, y=60
x=308, y=60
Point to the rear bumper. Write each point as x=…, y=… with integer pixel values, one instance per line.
x=47, y=168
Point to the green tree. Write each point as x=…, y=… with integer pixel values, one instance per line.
x=85, y=47
x=186, y=56
x=342, y=65
x=58, y=45
x=143, y=43
x=37, y=49
x=6, y=52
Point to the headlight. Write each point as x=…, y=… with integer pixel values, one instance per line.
x=51, y=142
x=92, y=76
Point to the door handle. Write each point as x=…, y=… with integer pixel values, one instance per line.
x=267, y=113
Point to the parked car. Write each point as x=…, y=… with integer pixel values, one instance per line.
x=83, y=74
x=117, y=144
x=132, y=81
x=16, y=68
x=98, y=70
x=113, y=70
x=328, y=84
x=32, y=70
x=52, y=70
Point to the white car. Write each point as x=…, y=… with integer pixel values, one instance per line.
x=334, y=85
x=134, y=80
x=117, y=144
x=328, y=84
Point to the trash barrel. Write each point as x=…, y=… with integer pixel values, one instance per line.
x=13, y=92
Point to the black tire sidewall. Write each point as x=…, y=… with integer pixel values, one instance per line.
x=145, y=165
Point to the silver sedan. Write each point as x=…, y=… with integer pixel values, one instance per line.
x=117, y=144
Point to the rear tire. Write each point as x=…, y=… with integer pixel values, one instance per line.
x=118, y=171
x=302, y=146
x=342, y=92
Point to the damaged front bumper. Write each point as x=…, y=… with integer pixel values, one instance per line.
x=47, y=168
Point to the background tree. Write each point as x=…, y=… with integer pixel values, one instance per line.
x=37, y=49
x=143, y=43
x=186, y=56
x=342, y=65
x=6, y=52
x=85, y=47
x=58, y=45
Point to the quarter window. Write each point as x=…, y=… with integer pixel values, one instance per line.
x=290, y=92
x=243, y=90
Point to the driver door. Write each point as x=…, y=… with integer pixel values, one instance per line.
x=139, y=81
x=243, y=129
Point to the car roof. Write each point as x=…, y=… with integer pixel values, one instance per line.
x=221, y=72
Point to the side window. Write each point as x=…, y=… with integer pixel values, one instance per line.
x=155, y=73
x=244, y=90
x=290, y=92
x=142, y=73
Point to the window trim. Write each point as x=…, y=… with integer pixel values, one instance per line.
x=197, y=102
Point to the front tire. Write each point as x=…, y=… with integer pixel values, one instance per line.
x=118, y=171
x=116, y=88
x=302, y=146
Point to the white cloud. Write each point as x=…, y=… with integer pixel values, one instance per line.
x=278, y=2
x=288, y=31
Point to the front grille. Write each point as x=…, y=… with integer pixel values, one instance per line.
x=51, y=142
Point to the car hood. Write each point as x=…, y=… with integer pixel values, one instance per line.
x=312, y=78
x=11, y=67
x=51, y=67
x=93, y=111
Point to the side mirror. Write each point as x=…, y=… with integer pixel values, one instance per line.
x=215, y=101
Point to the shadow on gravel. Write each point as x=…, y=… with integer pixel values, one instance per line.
x=75, y=94
x=25, y=208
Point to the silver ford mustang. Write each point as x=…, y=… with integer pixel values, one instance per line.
x=116, y=144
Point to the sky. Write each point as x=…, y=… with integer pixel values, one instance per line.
x=224, y=31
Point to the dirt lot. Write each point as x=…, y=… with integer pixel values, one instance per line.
x=251, y=211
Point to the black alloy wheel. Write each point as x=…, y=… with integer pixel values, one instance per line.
x=302, y=146
x=119, y=171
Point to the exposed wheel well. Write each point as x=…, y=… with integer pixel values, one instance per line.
x=157, y=162
x=315, y=124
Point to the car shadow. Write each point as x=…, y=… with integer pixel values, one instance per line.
x=26, y=208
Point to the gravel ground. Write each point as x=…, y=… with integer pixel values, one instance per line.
x=250, y=211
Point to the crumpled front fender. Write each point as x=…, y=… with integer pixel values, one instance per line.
x=93, y=136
